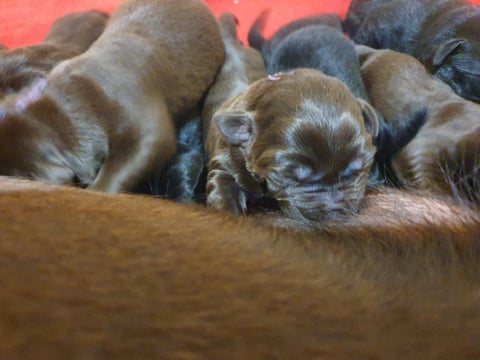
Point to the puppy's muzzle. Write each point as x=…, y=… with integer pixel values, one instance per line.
x=314, y=206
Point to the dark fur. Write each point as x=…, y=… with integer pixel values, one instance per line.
x=318, y=47
x=357, y=12
x=299, y=138
x=183, y=178
x=257, y=41
x=69, y=36
x=144, y=278
x=443, y=156
x=106, y=119
x=443, y=35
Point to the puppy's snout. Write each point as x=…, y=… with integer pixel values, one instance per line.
x=327, y=199
x=316, y=206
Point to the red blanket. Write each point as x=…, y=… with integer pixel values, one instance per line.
x=25, y=22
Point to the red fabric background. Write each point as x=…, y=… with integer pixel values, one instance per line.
x=25, y=22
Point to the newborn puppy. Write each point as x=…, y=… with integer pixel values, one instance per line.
x=324, y=48
x=449, y=47
x=357, y=12
x=319, y=47
x=69, y=36
x=184, y=177
x=106, y=119
x=441, y=34
x=443, y=155
x=243, y=65
x=256, y=39
x=301, y=139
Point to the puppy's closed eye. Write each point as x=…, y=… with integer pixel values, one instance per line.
x=303, y=173
x=353, y=169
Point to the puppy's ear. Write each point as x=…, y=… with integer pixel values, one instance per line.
x=363, y=52
x=235, y=126
x=370, y=117
x=446, y=49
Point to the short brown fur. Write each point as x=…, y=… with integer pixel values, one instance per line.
x=97, y=276
x=106, y=119
x=444, y=154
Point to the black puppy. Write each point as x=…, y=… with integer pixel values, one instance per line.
x=449, y=47
x=357, y=12
x=442, y=34
x=257, y=41
x=319, y=47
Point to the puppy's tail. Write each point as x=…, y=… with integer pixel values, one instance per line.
x=228, y=25
x=255, y=36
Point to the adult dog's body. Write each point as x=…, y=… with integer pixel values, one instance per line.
x=69, y=36
x=443, y=35
x=300, y=138
x=106, y=119
x=91, y=275
x=443, y=155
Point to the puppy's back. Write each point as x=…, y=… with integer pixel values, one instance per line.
x=187, y=43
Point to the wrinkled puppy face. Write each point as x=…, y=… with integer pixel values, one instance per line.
x=308, y=140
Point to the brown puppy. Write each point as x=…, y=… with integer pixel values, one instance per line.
x=106, y=119
x=444, y=155
x=243, y=66
x=300, y=138
x=85, y=277
x=69, y=36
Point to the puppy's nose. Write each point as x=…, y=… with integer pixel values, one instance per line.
x=328, y=199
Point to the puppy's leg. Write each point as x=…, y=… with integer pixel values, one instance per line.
x=151, y=148
x=223, y=192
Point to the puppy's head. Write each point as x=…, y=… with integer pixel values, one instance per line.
x=22, y=67
x=29, y=148
x=306, y=139
x=457, y=63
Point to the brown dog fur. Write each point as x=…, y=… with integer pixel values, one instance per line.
x=106, y=119
x=299, y=138
x=444, y=154
x=84, y=276
x=243, y=65
x=69, y=36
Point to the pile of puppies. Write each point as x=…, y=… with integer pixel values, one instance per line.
x=191, y=124
x=305, y=130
